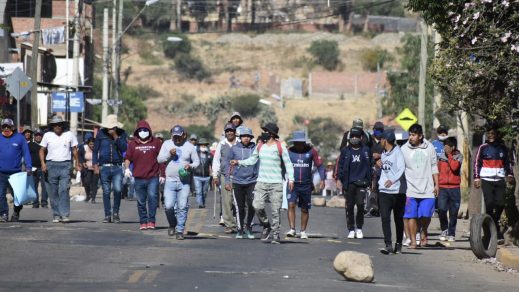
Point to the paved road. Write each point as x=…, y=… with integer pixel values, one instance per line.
x=88, y=255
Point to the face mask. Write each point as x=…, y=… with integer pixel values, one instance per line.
x=265, y=136
x=144, y=134
x=354, y=141
x=442, y=138
x=203, y=149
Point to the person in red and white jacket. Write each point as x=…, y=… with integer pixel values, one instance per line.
x=449, y=200
x=491, y=168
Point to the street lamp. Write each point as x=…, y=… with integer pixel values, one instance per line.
x=148, y=3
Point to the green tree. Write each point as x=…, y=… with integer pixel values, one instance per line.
x=247, y=104
x=375, y=58
x=171, y=49
x=191, y=67
x=384, y=8
x=319, y=130
x=326, y=53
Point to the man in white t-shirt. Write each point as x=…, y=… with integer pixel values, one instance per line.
x=60, y=146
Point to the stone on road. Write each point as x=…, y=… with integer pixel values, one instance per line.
x=354, y=266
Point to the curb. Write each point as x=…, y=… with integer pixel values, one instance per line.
x=509, y=257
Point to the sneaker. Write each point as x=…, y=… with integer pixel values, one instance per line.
x=443, y=235
x=418, y=238
x=398, y=248
x=358, y=234
x=15, y=217
x=65, y=220
x=239, y=235
x=388, y=249
x=180, y=236
x=56, y=219
x=275, y=239
x=221, y=221
x=116, y=217
x=4, y=218
x=143, y=226
x=249, y=234
x=151, y=225
x=407, y=242
x=304, y=235
x=108, y=219
x=171, y=231
x=265, y=235
x=229, y=230
x=451, y=239
x=351, y=234
x=291, y=233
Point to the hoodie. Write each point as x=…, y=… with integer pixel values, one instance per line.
x=241, y=175
x=420, y=166
x=186, y=154
x=109, y=151
x=144, y=154
x=393, y=167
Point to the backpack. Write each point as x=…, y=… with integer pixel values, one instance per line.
x=280, y=152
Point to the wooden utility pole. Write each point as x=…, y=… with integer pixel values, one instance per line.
x=423, y=72
x=114, y=54
x=104, y=106
x=437, y=95
x=34, y=65
x=75, y=65
x=179, y=15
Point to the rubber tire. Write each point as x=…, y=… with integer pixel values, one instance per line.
x=479, y=242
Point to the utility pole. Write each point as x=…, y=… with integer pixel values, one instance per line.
x=179, y=15
x=104, y=111
x=437, y=95
x=118, y=63
x=75, y=65
x=34, y=65
x=423, y=71
x=114, y=54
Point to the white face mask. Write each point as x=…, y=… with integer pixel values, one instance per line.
x=203, y=149
x=442, y=138
x=144, y=134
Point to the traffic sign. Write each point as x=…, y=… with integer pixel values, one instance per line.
x=75, y=102
x=406, y=119
x=18, y=84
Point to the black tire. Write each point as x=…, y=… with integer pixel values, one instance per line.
x=483, y=236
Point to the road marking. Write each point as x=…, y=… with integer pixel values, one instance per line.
x=151, y=276
x=135, y=276
x=334, y=241
x=351, y=242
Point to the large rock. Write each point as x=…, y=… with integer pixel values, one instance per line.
x=319, y=202
x=336, y=202
x=354, y=266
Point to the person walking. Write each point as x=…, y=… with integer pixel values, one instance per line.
x=60, y=145
x=13, y=148
x=180, y=157
x=272, y=157
x=89, y=178
x=442, y=135
x=392, y=187
x=110, y=144
x=354, y=173
x=202, y=173
x=142, y=152
x=421, y=173
x=372, y=207
x=303, y=157
x=491, y=171
x=449, y=199
x=34, y=139
x=240, y=181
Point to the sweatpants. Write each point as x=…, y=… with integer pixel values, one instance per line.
x=494, y=195
x=243, y=198
x=354, y=197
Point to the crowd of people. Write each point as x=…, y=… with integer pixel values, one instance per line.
x=376, y=173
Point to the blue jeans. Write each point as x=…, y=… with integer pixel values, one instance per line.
x=38, y=178
x=176, y=195
x=58, y=185
x=201, y=188
x=146, y=191
x=111, y=177
x=449, y=200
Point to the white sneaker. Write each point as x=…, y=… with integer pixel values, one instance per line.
x=291, y=233
x=417, y=238
x=221, y=221
x=304, y=235
x=359, y=234
x=451, y=239
x=406, y=242
x=351, y=234
x=443, y=236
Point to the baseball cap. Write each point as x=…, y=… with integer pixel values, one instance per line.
x=229, y=126
x=177, y=130
x=389, y=135
x=193, y=137
x=355, y=132
x=378, y=126
x=7, y=122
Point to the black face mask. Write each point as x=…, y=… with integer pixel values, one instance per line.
x=265, y=136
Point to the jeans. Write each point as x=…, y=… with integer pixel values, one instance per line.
x=111, y=176
x=201, y=188
x=38, y=177
x=146, y=191
x=354, y=196
x=243, y=198
x=58, y=185
x=4, y=207
x=90, y=180
x=396, y=203
x=274, y=193
x=449, y=200
x=176, y=196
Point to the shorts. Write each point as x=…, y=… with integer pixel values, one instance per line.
x=419, y=208
x=302, y=194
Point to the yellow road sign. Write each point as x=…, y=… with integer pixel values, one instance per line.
x=406, y=119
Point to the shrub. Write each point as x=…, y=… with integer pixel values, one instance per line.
x=146, y=92
x=191, y=67
x=247, y=105
x=371, y=57
x=205, y=132
x=172, y=49
x=326, y=53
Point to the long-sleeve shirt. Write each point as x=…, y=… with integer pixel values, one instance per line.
x=186, y=154
x=12, y=150
x=223, y=150
x=393, y=167
x=270, y=170
x=420, y=166
x=492, y=162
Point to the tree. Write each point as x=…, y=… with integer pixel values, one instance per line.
x=326, y=53
x=384, y=8
x=376, y=58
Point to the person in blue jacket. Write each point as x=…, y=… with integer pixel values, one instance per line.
x=303, y=158
x=13, y=148
x=241, y=180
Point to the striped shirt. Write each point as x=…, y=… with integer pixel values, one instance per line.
x=270, y=164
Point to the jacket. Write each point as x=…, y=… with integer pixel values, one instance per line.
x=107, y=150
x=204, y=168
x=345, y=160
x=449, y=167
x=241, y=175
x=492, y=162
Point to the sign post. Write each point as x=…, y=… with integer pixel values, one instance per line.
x=18, y=84
x=406, y=119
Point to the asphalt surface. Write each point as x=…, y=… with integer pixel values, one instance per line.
x=87, y=255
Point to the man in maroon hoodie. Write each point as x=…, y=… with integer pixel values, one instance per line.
x=143, y=151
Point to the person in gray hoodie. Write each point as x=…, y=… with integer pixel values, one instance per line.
x=180, y=157
x=392, y=187
x=421, y=173
x=240, y=180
